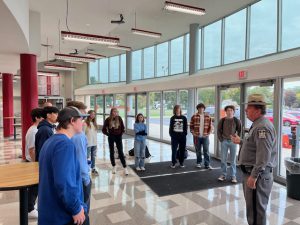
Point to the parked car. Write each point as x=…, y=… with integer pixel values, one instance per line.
x=295, y=113
x=288, y=119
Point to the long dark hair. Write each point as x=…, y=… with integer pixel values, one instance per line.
x=175, y=109
x=89, y=120
x=137, y=118
x=117, y=120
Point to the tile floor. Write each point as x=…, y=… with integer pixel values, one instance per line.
x=120, y=200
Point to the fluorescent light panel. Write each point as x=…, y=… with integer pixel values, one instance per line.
x=97, y=56
x=59, y=67
x=90, y=38
x=74, y=58
x=146, y=33
x=172, y=6
x=48, y=74
x=75, y=62
x=120, y=47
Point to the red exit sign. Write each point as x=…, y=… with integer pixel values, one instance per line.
x=243, y=74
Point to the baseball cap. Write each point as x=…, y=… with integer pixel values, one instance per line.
x=69, y=112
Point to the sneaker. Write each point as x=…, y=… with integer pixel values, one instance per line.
x=173, y=166
x=126, y=171
x=33, y=214
x=208, y=167
x=198, y=165
x=143, y=169
x=233, y=180
x=138, y=169
x=182, y=166
x=95, y=172
x=114, y=170
x=222, y=178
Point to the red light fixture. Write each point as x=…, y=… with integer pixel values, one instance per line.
x=90, y=38
x=59, y=67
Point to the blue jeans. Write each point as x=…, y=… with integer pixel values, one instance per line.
x=225, y=145
x=202, y=142
x=92, y=150
x=139, y=153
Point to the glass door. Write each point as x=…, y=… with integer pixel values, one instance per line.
x=99, y=107
x=109, y=103
x=131, y=111
x=169, y=101
x=154, y=114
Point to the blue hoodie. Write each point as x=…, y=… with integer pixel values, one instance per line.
x=140, y=127
x=60, y=186
x=45, y=130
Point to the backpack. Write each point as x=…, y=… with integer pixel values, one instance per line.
x=236, y=121
x=147, y=153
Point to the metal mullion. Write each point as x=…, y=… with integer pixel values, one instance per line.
x=202, y=49
x=279, y=25
x=222, y=41
x=184, y=53
x=155, y=61
x=248, y=21
x=142, y=66
x=169, y=58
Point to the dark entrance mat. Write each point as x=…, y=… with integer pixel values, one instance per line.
x=164, y=180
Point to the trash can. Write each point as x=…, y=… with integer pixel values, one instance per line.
x=292, y=177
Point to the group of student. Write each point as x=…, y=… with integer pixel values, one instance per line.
x=63, y=142
x=201, y=126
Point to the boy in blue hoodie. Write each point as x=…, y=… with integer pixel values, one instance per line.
x=60, y=184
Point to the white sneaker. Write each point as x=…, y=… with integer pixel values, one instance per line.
x=143, y=169
x=138, y=169
x=33, y=214
x=126, y=171
x=198, y=165
x=114, y=170
x=222, y=178
x=233, y=180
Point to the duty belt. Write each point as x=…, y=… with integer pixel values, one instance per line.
x=248, y=169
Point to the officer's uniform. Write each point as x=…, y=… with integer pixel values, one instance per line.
x=257, y=158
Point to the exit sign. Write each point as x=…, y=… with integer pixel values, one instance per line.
x=243, y=75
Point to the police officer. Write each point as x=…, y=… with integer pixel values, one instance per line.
x=257, y=158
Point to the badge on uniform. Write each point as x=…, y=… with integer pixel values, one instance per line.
x=262, y=134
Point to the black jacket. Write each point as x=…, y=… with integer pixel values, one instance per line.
x=178, y=126
x=45, y=130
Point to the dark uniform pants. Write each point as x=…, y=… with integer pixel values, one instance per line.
x=257, y=199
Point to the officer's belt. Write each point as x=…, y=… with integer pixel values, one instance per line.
x=248, y=169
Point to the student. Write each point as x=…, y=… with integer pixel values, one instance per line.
x=36, y=117
x=80, y=141
x=227, y=127
x=201, y=128
x=114, y=128
x=140, y=130
x=60, y=184
x=90, y=129
x=45, y=128
x=178, y=132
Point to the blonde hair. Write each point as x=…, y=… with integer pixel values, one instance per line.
x=117, y=120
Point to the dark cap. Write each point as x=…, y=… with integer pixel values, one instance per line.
x=69, y=112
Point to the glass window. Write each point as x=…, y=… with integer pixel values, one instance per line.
x=290, y=24
x=149, y=62
x=263, y=28
x=130, y=111
x=177, y=55
x=212, y=44
x=170, y=100
x=123, y=67
x=114, y=69
x=235, y=37
x=99, y=110
x=200, y=48
x=104, y=70
x=162, y=59
x=120, y=104
x=136, y=65
x=187, y=52
x=290, y=118
x=109, y=103
x=94, y=72
x=142, y=104
x=183, y=101
x=154, y=114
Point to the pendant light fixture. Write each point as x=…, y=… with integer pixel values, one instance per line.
x=178, y=7
x=120, y=47
x=145, y=32
x=93, y=55
x=75, y=58
x=59, y=67
x=47, y=74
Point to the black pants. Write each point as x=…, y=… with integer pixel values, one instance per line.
x=87, y=200
x=32, y=195
x=118, y=140
x=180, y=144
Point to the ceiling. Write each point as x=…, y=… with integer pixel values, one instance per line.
x=94, y=16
